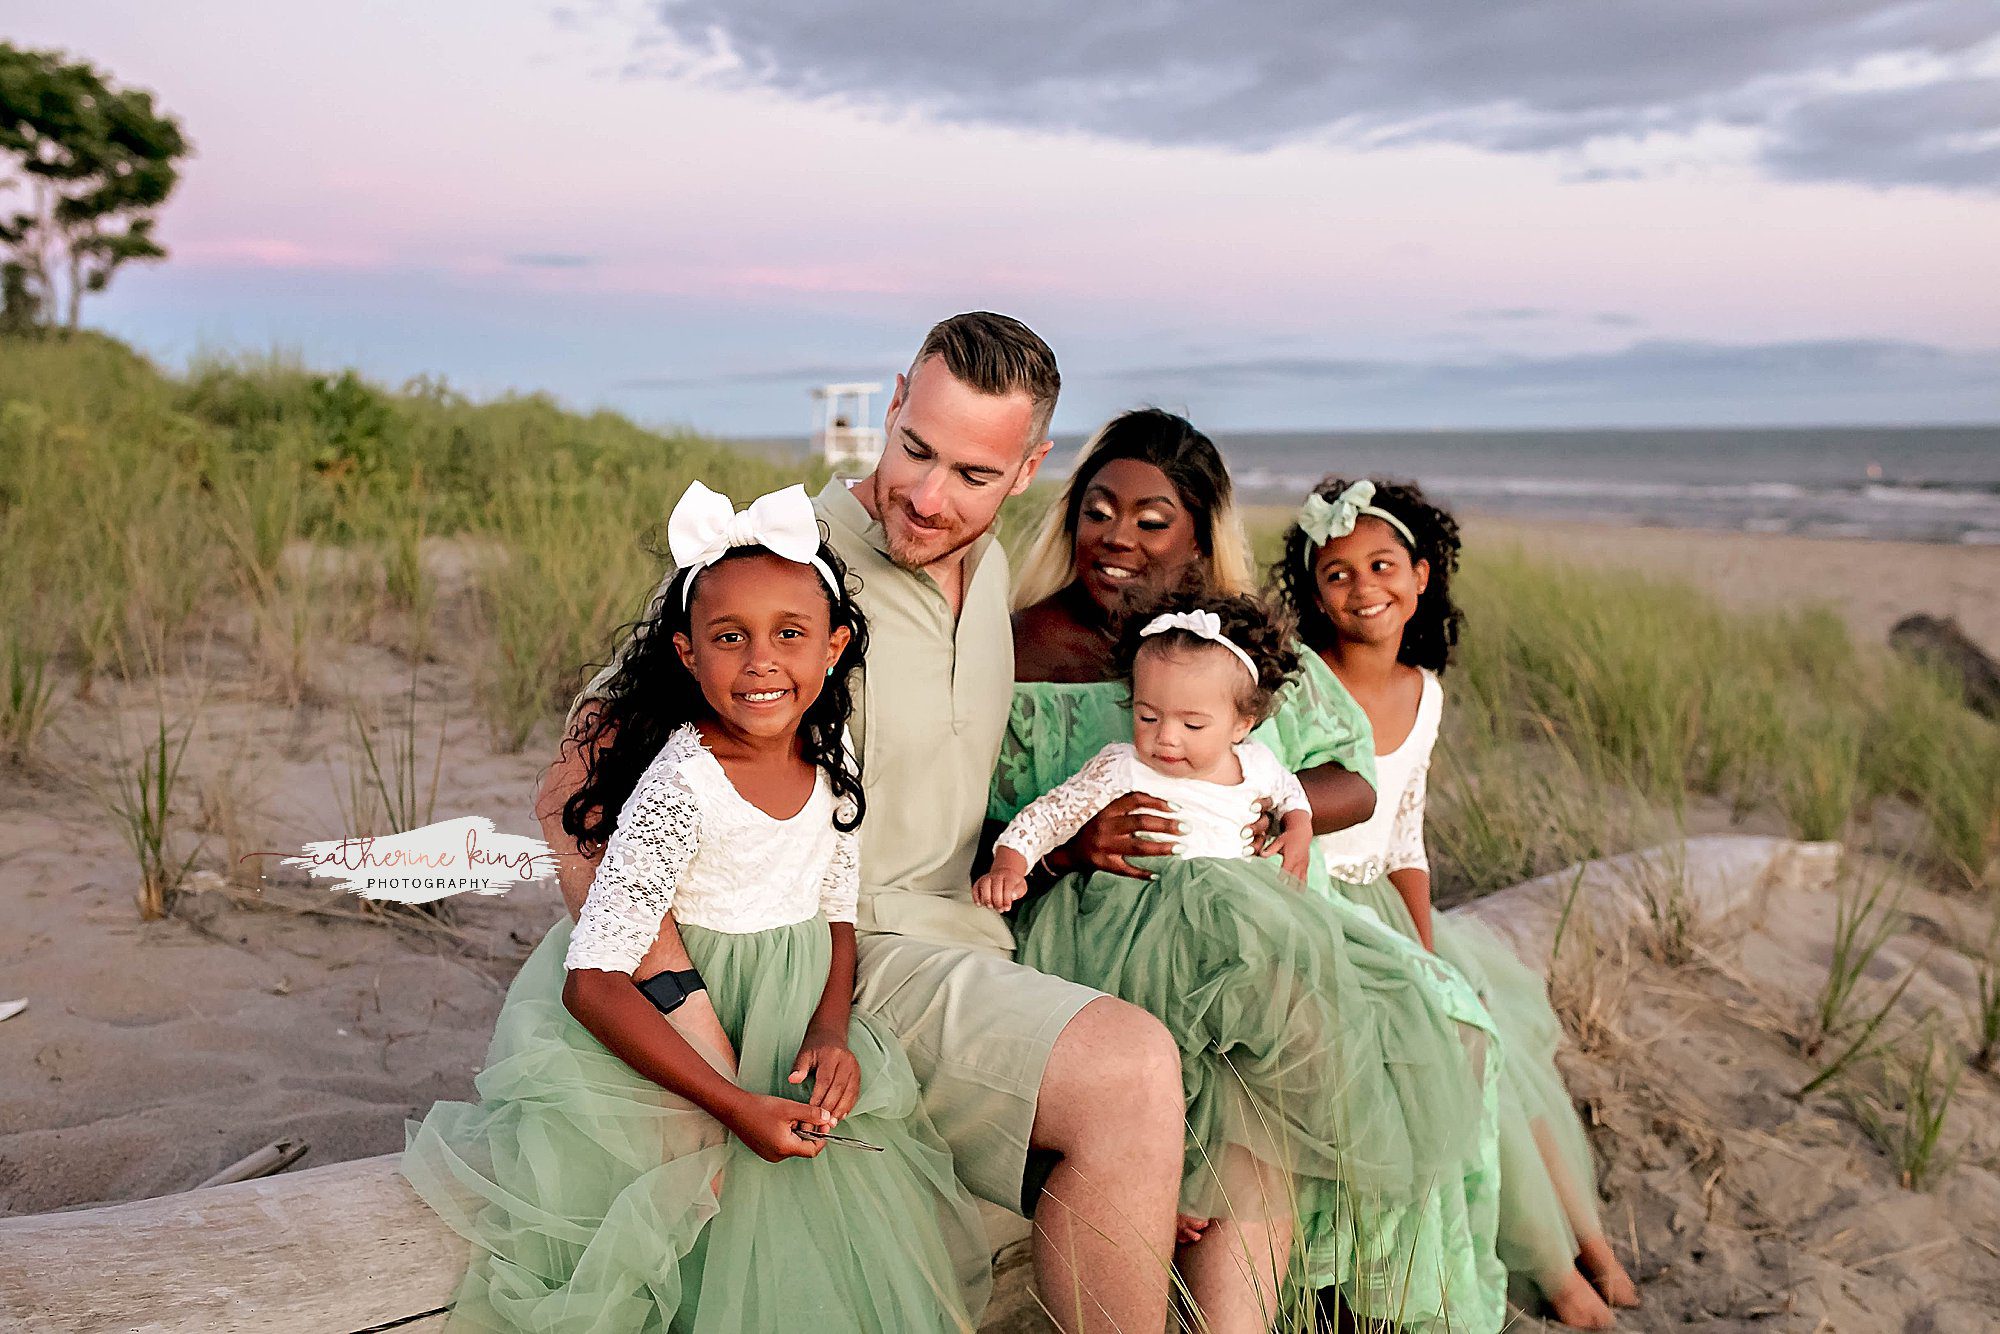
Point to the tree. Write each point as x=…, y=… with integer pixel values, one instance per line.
x=92, y=164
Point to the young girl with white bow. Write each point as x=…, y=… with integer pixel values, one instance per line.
x=613, y=1177
x=1339, y=1080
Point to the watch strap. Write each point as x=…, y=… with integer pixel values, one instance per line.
x=669, y=989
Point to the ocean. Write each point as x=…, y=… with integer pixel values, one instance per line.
x=1913, y=484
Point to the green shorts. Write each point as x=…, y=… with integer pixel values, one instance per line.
x=978, y=1029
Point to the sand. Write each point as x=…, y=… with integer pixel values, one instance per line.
x=152, y=1054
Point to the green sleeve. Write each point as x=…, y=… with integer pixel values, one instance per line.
x=1317, y=722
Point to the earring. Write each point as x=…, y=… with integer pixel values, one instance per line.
x=829, y=671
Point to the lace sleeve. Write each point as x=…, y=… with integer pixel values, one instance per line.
x=1406, y=836
x=840, y=887
x=1047, y=822
x=658, y=830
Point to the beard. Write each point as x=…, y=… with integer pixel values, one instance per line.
x=913, y=545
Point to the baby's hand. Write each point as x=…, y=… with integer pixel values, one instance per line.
x=999, y=890
x=1295, y=849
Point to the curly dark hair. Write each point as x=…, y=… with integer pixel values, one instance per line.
x=1260, y=628
x=1433, y=629
x=651, y=694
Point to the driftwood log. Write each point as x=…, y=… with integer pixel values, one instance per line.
x=1940, y=642
x=349, y=1248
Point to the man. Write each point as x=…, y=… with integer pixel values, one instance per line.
x=1010, y=1060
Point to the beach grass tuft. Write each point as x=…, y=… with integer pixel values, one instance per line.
x=141, y=799
x=27, y=700
x=1986, y=1001
x=1867, y=914
x=1906, y=1113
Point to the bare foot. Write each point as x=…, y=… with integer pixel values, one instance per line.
x=1188, y=1230
x=1606, y=1274
x=1578, y=1305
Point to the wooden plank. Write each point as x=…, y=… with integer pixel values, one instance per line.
x=334, y=1249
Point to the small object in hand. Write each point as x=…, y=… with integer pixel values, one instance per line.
x=803, y=1133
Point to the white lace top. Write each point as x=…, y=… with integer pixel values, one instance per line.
x=689, y=843
x=1216, y=814
x=1392, y=839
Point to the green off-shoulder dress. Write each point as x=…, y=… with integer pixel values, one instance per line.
x=1548, y=1180
x=1313, y=1039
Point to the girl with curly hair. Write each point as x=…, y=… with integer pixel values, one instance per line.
x=613, y=1177
x=1367, y=569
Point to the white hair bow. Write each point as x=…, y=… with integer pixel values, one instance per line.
x=1203, y=624
x=705, y=526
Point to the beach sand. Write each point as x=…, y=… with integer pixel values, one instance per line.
x=153, y=1054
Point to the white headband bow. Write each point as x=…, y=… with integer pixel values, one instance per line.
x=705, y=526
x=1203, y=624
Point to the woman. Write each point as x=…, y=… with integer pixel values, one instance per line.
x=1148, y=510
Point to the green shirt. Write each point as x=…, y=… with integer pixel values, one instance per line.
x=927, y=723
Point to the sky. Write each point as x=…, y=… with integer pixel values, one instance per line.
x=1297, y=214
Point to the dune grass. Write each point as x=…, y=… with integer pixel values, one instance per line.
x=135, y=506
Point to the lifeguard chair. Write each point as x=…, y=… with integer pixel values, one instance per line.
x=841, y=434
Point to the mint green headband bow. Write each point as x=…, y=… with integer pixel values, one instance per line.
x=1322, y=520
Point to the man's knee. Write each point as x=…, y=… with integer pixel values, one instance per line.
x=1116, y=1054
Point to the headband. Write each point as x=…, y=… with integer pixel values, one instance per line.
x=1323, y=520
x=705, y=526
x=1202, y=624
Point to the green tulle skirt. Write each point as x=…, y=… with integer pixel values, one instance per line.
x=1548, y=1180
x=1325, y=1050
x=588, y=1195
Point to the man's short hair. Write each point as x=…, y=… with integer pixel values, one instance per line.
x=997, y=354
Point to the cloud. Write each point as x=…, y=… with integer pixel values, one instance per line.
x=551, y=259
x=1513, y=314
x=1850, y=90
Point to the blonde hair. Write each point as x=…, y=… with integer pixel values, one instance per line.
x=1191, y=462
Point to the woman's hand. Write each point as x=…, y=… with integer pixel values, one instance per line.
x=1116, y=834
x=825, y=1059
x=768, y=1125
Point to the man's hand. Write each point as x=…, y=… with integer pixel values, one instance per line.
x=825, y=1059
x=1119, y=833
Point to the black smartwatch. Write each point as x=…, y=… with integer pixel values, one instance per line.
x=668, y=990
